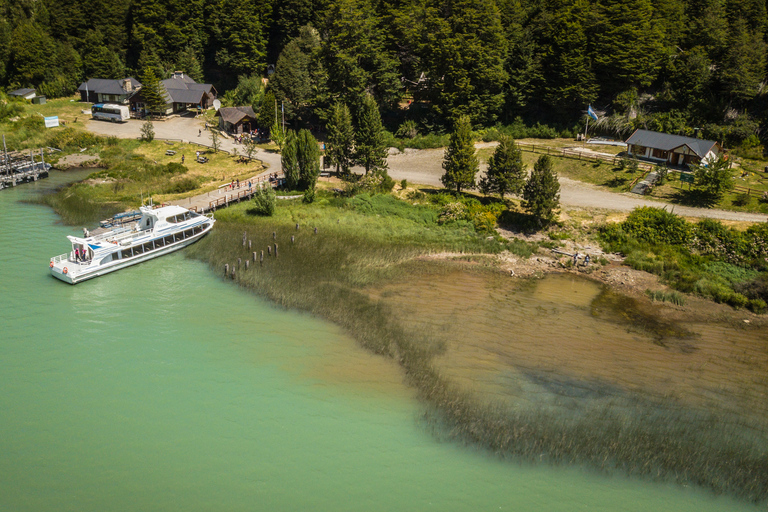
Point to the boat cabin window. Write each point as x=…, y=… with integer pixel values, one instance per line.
x=159, y=242
x=176, y=218
x=107, y=258
x=127, y=253
x=147, y=223
x=188, y=233
x=169, y=239
x=148, y=246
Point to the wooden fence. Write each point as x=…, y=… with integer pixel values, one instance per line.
x=580, y=155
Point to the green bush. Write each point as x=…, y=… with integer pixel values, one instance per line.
x=656, y=225
x=264, y=202
x=69, y=138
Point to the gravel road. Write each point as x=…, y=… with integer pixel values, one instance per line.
x=424, y=167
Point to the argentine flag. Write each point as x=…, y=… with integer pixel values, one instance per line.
x=591, y=113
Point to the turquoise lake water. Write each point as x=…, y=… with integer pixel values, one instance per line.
x=161, y=387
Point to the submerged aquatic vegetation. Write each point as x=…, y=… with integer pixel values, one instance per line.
x=326, y=271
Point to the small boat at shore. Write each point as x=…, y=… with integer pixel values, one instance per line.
x=159, y=231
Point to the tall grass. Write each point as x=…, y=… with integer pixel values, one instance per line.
x=327, y=273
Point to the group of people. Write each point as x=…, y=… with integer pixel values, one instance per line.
x=81, y=255
x=576, y=259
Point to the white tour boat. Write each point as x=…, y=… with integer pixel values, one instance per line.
x=159, y=231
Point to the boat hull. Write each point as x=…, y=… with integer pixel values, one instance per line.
x=81, y=272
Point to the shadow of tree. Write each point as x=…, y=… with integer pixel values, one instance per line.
x=520, y=222
x=694, y=197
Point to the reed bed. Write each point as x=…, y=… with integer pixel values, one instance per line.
x=326, y=272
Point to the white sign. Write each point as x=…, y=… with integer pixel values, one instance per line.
x=52, y=122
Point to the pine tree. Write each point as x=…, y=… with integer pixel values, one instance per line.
x=460, y=161
x=289, y=161
x=152, y=92
x=506, y=171
x=542, y=191
x=370, y=148
x=341, y=138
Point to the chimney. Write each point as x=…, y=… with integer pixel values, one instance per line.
x=178, y=74
x=127, y=86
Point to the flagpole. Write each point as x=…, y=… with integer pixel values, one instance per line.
x=584, y=141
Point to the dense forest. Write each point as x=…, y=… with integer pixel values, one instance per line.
x=679, y=66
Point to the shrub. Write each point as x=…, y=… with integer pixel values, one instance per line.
x=656, y=225
x=264, y=202
x=452, y=212
x=186, y=184
x=742, y=199
x=69, y=138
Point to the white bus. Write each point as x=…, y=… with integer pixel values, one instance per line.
x=110, y=112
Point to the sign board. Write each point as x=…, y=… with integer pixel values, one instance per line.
x=686, y=177
x=51, y=122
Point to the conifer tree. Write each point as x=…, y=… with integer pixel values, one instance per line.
x=542, y=191
x=341, y=138
x=267, y=111
x=460, y=161
x=152, y=91
x=308, y=158
x=506, y=171
x=289, y=161
x=370, y=147
x=188, y=62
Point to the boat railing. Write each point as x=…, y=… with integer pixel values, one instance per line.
x=62, y=257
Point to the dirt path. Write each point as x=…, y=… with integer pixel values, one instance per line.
x=423, y=167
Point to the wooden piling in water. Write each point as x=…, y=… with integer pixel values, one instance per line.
x=232, y=275
x=269, y=250
x=249, y=245
x=254, y=256
x=315, y=230
x=275, y=250
x=239, y=262
x=292, y=239
x=247, y=264
x=261, y=259
x=274, y=236
x=297, y=227
x=226, y=269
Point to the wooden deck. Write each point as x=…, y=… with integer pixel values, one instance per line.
x=226, y=195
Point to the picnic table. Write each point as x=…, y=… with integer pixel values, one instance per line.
x=202, y=159
x=170, y=152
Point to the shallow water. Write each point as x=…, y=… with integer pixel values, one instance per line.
x=161, y=387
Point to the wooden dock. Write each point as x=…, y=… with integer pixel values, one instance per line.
x=18, y=167
x=226, y=194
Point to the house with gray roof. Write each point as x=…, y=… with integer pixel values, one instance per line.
x=101, y=90
x=27, y=94
x=236, y=119
x=675, y=150
x=180, y=93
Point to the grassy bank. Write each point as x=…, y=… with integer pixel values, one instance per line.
x=326, y=273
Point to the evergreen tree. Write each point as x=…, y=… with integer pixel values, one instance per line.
x=462, y=50
x=460, y=162
x=569, y=82
x=355, y=55
x=152, y=92
x=308, y=159
x=267, y=111
x=506, y=171
x=542, y=191
x=743, y=67
x=289, y=160
x=188, y=62
x=370, y=148
x=341, y=138
x=627, y=45
x=32, y=55
x=295, y=79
